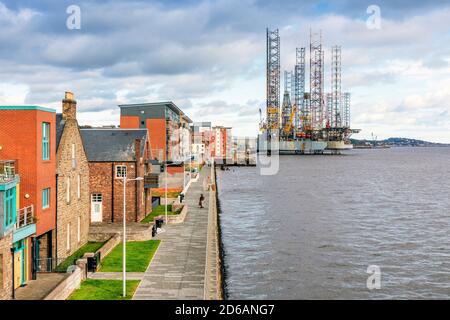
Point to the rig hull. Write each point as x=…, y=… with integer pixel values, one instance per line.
x=301, y=146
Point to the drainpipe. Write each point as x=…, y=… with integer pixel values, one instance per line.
x=137, y=152
x=13, y=284
x=112, y=191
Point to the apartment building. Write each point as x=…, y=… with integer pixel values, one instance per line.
x=27, y=139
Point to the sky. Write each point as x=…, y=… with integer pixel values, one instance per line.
x=209, y=58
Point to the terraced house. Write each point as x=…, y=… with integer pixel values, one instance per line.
x=28, y=210
x=114, y=154
x=73, y=204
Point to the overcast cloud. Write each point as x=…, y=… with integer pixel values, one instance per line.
x=209, y=58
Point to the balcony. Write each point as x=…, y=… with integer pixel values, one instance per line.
x=25, y=223
x=151, y=180
x=8, y=172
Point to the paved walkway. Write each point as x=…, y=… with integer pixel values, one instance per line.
x=115, y=275
x=38, y=289
x=177, y=270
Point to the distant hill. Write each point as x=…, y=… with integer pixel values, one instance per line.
x=396, y=142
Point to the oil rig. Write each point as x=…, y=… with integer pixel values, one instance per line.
x=306, y=122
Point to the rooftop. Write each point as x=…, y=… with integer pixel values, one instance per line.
x=169, y=104
x=27, y=108
x=112, y=145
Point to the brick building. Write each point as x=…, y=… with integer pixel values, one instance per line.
x=73, y=199
x=164, y=121
x=27, y=138
x=113, y=154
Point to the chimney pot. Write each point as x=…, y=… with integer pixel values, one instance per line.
x=69, y=106
x=69, y=95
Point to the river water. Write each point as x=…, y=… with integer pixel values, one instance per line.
x=312, y=230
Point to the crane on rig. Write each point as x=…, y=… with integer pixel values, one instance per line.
x=289, y=124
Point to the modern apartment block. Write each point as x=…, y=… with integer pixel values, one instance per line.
x=27, y=140
x=114, y=154
x=201, y=141
x=221, y=141
x=73, y=199
x=163, y=121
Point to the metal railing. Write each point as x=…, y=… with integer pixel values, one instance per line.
x=7, y=170
x=25, y=216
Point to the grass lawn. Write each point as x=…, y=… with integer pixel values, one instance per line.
x=88, y=247
x=139, y=255
x=159, y=210
x=92, y=289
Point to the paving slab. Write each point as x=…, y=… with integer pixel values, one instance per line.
x=177, y=270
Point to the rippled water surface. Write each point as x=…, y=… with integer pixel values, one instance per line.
x=311, y=231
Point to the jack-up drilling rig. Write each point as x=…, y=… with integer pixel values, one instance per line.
x=306, y=122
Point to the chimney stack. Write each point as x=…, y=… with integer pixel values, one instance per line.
x=69, y=107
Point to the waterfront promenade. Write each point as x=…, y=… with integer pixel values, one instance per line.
x=177, y=270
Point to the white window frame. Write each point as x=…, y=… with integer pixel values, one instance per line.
x=96, y=197
x=122, y=173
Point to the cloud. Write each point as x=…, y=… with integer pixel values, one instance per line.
x=209, y=57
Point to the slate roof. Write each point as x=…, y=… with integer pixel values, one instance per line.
x=60, y=123
x=111, y=145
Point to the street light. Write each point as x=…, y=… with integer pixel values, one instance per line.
x=124, y=259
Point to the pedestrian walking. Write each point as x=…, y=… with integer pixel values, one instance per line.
x=200, y=201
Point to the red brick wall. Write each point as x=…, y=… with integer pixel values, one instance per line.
x=21, y=140
x=101, y=181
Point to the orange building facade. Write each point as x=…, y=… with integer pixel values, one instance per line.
x=27, y=136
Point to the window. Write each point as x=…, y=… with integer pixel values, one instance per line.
x=79, y=187
x=68, y=190
x=45, y=198
x=121, y=171
x=45, y=141
x=96, y=197
x=9, y=210
x=79, y=230
x=68, y=237
x=74, y=162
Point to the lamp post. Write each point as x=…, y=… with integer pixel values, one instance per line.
x=124, y=258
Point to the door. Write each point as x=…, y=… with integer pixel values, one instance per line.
x=18, y=259
x=96, y=207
